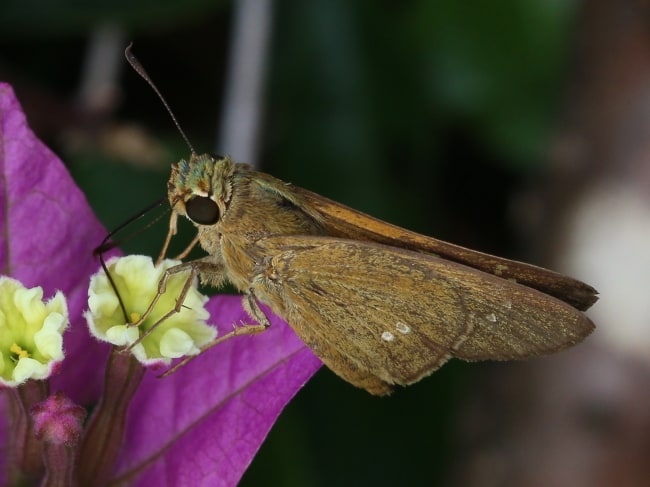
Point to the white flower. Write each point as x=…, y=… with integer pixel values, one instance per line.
x=31, y=332
x=136, y=279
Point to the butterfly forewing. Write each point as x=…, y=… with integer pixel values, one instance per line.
x=340, y=220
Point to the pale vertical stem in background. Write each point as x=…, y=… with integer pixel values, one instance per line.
x=246, y=74
x=102, y=66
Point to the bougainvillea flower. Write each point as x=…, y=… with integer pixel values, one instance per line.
x=31, y=332
x=158, y=339
x=200, y=426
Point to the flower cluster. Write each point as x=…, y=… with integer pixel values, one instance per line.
x=201, y=425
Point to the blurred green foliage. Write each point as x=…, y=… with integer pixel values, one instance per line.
x=425, y=113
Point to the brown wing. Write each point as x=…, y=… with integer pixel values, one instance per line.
x=380, y=315
x=342, y=221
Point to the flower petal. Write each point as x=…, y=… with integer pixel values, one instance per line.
x=47, y=235
x=217, y=409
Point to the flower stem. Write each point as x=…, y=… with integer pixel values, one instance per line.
x=27, y=451
x=60, y=466
x=105, y=432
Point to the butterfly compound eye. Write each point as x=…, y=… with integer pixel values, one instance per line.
x=202, y=210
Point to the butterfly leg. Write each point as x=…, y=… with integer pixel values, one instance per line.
x=196, y=267
x=252, y=308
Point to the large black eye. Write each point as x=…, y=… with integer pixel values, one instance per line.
x=202, y=210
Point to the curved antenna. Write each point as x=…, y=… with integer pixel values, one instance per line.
x=138, y=68
x=108, y=244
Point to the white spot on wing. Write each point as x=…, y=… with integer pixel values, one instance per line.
x=403, y=328
x=491, y=317
x=387, y=336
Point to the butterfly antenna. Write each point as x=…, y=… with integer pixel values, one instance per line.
x=138, y=68
x=108, y=244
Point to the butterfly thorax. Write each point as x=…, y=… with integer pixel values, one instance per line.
x=252, y=206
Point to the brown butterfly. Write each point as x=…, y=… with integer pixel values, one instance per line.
x=380, y=305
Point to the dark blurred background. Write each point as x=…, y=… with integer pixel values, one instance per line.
x=516, y=127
